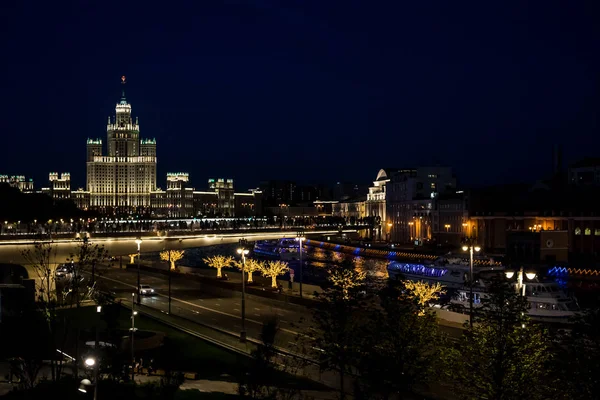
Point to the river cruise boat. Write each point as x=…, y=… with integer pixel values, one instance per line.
x=285, y=249
x=451, y=272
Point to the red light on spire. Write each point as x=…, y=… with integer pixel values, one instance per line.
x=123, y=79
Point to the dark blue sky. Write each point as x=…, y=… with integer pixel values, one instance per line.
x=309, y=90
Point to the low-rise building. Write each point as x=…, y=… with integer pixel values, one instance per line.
x=19, y=182
x=550, y=224
x=180, y=200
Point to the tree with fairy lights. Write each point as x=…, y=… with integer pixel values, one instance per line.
x=219, y=262
x=424, y=293
x=172, y=256
x=252, y=265
x=272, y=269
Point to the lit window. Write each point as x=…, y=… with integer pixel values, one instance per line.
x=577, y=231
x=588, y=231
x=597, y=232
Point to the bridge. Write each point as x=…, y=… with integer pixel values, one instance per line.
x=123, y=243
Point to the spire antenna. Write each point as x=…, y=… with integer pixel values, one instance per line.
x=123, y=82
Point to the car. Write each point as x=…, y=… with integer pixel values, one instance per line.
x=147, y=290
x=65, y=270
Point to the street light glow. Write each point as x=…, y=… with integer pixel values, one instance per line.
x=509, y=274
x=90, y=362
x=243, y=251
x=465, y=248
x=530, y=275
x=477, y=248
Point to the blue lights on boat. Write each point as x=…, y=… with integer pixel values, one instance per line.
x=416, y=269
x=558, y=271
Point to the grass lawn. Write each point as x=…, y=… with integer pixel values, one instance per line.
x=180, y=351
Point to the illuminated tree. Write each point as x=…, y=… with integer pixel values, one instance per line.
x=172, y=256
x=132, y=258
x=219, y=262
x=272, y=269
x=424, y=293
x=252, y=265
x=346, y=279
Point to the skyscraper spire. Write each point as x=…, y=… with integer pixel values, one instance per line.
x=123, y=99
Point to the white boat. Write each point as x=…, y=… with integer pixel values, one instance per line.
x=546, y=301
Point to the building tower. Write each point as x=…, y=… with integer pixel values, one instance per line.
x=121, y=181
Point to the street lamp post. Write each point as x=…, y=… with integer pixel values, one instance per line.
x=300, y=238
x=169, y=275
x=471, y=249
x=133, y=314
x=91, y=362
x=138, y=241
x=243, y=251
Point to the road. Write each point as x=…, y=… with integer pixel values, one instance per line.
x=11, y=251
x=218, y=308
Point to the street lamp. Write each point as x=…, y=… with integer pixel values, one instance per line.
x=447, y=226
x=300, y=238
x=138, y=241
x=243, y=251
x=410, y=225
x=471, y=249
x=520, y=285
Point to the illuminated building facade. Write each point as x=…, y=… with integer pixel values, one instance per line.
x=180, y=200
x=121, y=181
x=411, y=202
x=59, y=186
x=224, y=190
x=18, y=181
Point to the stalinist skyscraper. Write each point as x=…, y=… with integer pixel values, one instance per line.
x=122, y=180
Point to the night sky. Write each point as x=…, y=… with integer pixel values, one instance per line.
x=319, y=91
